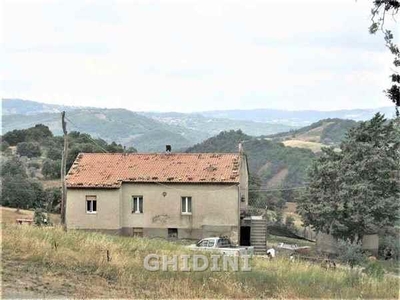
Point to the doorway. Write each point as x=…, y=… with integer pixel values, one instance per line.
x=245, y=235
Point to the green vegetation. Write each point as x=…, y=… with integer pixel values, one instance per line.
x=266, y=158
x=39, y=157
x=49, y=262
x=326, y=131
x=356, y=191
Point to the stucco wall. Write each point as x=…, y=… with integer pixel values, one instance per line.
x=211, y=205
x=214, y=209
x=108, y=209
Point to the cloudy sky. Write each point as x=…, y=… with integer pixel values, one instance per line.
x=194, y=55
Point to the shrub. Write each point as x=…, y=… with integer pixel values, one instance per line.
x=374, y=269
x=289, y=222
x=34, y=164
x=40, y=217
x=28, y=149
x=351, y=253
x=4, y=146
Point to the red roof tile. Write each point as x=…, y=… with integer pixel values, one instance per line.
x=91, y=170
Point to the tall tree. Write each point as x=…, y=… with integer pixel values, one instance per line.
x=356, y=191
x=381, y=9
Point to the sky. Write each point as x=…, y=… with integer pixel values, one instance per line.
x=190, y=56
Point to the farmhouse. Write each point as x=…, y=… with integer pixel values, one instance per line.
x=169, y=195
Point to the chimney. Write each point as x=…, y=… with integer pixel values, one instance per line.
x=168, y=148
x=240, y=148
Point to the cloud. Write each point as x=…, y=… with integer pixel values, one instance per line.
x=195, y=55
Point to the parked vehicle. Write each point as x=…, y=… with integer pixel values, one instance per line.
x=222, y=245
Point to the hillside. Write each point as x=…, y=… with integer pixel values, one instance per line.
x=298, y=118
x=148, y=132
x=326, y=132
x=213, y=126
x=275, y=164
x=119, y=125
x=27, y=107
x=30, y=165
x=50, y=263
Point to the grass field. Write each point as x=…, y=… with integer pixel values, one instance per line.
x=47, y=262
x=313, y=146
x=9, y=215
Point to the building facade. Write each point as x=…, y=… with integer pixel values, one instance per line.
x=171, y=195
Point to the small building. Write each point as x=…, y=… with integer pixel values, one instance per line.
x=168, y=195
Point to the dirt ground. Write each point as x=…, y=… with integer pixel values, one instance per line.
x=23, y=280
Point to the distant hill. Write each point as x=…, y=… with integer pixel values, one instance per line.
x=120, y=125
x=327, y=132
x=272, y=162
x=298, y=118
x=148, y=132
x=213, y=126
x=27, y=107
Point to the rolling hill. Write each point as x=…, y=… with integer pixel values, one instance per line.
x=213, y=126
x=27, y=107
x=272, y=162
x=298, y=118
x=327, y=132
x=148, y=132
x=120, y=125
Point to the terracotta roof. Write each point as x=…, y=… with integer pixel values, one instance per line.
x=109, y=170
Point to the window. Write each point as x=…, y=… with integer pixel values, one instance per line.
x=137, y=207
x=91, y=204
x=173, y=233
x=202, y=243
x=211, y=243
x=224, y=243
x=137, y=231
x=187, y=205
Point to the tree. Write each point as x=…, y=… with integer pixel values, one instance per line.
x=13, y=167
x=28, y=149
x=51, y=168
x=14, y=137
x=39, y=133
x=382, y=8
x=54, y=153
x=131, y=150
x=52, y=198
x=18, y=192
x=355, y=191
x=4, y=146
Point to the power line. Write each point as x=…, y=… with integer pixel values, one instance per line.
x=77, y=127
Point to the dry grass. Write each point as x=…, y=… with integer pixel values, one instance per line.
x=48, y=262
x=313, y=146
x=9, y=215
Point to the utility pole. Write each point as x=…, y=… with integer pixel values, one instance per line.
x=63, y=172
